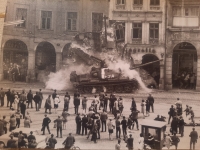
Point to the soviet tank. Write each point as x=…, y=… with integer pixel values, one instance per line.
x=103, y=79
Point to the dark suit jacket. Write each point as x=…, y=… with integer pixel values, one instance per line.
x=193, y=136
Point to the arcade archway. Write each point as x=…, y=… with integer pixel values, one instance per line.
x=184, y=65
x=66, y=54
x=45, y=57
x=15, y=55
x=152, y=70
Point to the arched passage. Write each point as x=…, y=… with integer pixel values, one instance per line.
x=45, y=57
x=184, y=65
x=66, y=54
x=15, y=58
x=152, y=69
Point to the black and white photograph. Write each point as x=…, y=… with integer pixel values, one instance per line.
x=100, y=74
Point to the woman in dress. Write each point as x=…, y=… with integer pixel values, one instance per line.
x=141, y=142
x=142, y=108
x=16, y=103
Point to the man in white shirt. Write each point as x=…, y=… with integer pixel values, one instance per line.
x=56, y=101
x=117, y=146
x=110, y=128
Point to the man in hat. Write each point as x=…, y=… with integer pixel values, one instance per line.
x=69, y=142
x=11, y=142
x=8, y=95
x=124, y=124
x=181, y=124
x=118, y=128
x=151, y=102
x=78, y=124
x=193, y=138
x=31, y=140
x=171, y=113
x=84, y=124
x=130, y=142
x=52, y=142
x=133, y=104
x=45, y=124
x=59, y=122
x=54, y=95
x=37, y=99
x=76, y=104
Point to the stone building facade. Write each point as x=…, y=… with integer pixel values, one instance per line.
x=144, y=32
x=49, y=26
x=182, y=43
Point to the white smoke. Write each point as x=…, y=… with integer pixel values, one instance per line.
x=132, y=74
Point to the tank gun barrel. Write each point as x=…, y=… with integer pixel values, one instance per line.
x=145, y=64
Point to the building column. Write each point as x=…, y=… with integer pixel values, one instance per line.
x=198, y=74
x=31, y=64
x=1, y=64
x=58, y=60
x=128, y=32
x=168, y=78
x=161, y=80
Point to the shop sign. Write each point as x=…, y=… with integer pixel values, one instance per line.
x=184, y=35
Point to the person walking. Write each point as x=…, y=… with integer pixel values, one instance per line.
x=45, y=124
x=124, y=126
x=69, y=142
x=2, y=95
x=48, y=104
x=134, y=116
x=130, y=142
x=118, y=129
x=84, y=124
x=181, y=124
x=78, y=124
x=76, y=104
x=41, y=98
x=103, y=118
x=23, y=108
x=12, y=122
x=84, y=104
x=65, y=114
x=52, y=142
x=66, y=102
x=94, y=133
x=171, y=113
x=167, y=141
x=101, y=99
x=174, y=125
x=59, y=122
x=30, y=98
x=151, y=102
x=193, y=138
x=175, y=140
x=116, y=108
x=18, y=117
x=121, y=105
x=56, y=102
x=110, y=129
x=8, y=95
x=118, y=146
x=133, y=104
x=37, y=99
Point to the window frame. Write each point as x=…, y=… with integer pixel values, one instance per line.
x=154, y=3
x=97, y=21
x=154, y=29
x=137, y=28
x=72, y=19
x=22, y=25
x=121, y=29
x=119, y=2
x=138, y=1
x=46, y=20
x=183, y=11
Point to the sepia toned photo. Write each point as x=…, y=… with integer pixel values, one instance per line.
x=100, y=74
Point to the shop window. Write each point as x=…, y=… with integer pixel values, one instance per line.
x=154, y=2
x=137, y=2
x=97, y=22
x=137, y=31
x=46, y=17
x=154, y=30
x=21, y=14
x=72, y=21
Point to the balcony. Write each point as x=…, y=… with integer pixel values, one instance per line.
x=137, y=7
x=155, y=8
x=185, y=21
x=121, y=7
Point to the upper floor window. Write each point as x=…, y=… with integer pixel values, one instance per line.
x=120, y=32
x=185, y=11
x=154, y=30
x=21, y=14
x=120, y=4
x=46, y=17
x=137, y=31
x=137, y=2
x=154, y=2
x=97, y=22
x=72, y=21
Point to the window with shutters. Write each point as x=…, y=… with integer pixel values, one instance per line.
x=72, y=21
x=21, y=14
x=97, y=22
x=46, y=20
x=120, y=4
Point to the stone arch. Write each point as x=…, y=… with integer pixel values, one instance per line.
x=66, y=54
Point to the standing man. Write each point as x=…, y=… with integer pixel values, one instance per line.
x=112, y=101
x=84, y=124
x=124, y=126
x=52, y=142
x=151, y=102
x=181, y=126
x=5, y=124
x=66, y=102
x=11, y=142
x=84, y=103
x=54, y=95
x=103, y=117
x=105, y=102
x=23, y=108
x=41, y=98
x=78, y=124
x=59, y=122
x=171, y=113
x=130, y=142
x=76, y=104
x=18, y=117
x=193, y=138
x=12, y=122
x=135, y=117
x=110, y=129
x=175, y=140
x=45, y=124
x=69, y=142
x=118, y=129
x=8, y=95
x=30, y=98
x=117, y=146
x=133, y=104
x=36, y=98
x=98, y=122
x=2, y=95
x=1, y=127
